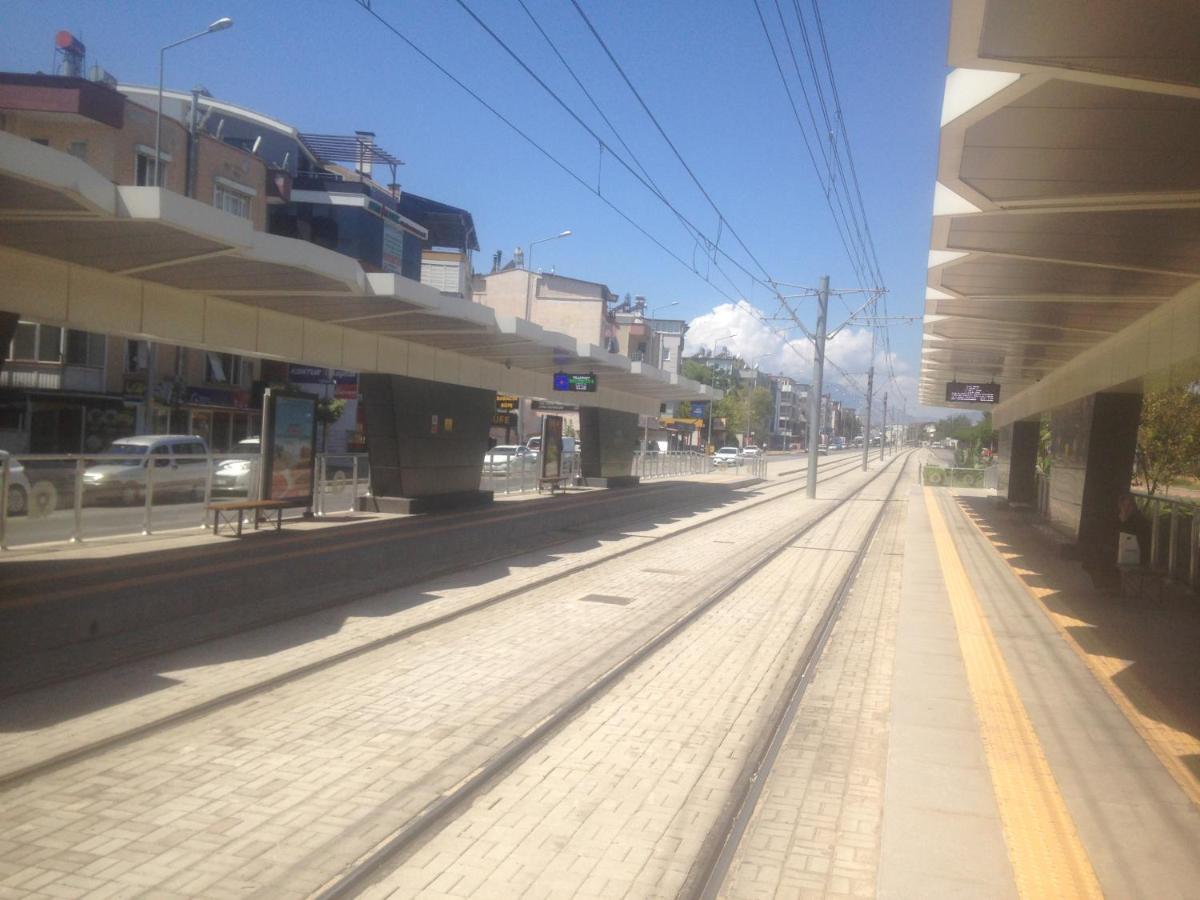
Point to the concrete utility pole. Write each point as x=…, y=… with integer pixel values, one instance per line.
x=883, y=430
x=870, y=394
x=814, y=397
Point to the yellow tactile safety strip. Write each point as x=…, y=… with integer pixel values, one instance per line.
x=1141, y=707
x=1047, y=856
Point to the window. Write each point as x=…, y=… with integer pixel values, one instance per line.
x=78, y=149
x=441, y=274
x=137, y=355
x=85, y=349
x=222, y=368
x=230, y=199
x=36, y=343
x=666, y=354
x=143, y=174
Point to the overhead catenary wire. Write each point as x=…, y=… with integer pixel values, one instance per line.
x=767, y=280
x=365, y=5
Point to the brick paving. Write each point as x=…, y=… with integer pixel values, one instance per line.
x=279, y=791
x=621, y=801
x=163, y=685
x=816, y=831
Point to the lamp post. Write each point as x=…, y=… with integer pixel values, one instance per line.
x=708, y=441
x=220, y=25
x=151, y=348
x=529, y=267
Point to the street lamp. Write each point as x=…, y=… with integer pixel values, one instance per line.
x=220, y=25
x=708, y=441
x=529, y=267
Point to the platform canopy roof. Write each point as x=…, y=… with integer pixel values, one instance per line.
x=1067, y=206
x=55, y=207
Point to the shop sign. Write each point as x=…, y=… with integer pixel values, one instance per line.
x=308, y=375
x=345, y=385
x=393, y=248
x=134, y=385
x=235, y=398
x=553, y=406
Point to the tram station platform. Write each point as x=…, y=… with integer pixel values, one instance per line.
x=991, y=726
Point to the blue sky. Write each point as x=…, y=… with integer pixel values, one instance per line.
x=703, y=67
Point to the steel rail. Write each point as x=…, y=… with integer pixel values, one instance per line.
x=440, y=811
x=704, y=882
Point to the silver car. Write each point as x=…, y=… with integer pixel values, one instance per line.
x=180, y=469
x=507, y=458
x=231, y=477
x=18, y=485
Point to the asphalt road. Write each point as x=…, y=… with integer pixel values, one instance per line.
x=110, y=521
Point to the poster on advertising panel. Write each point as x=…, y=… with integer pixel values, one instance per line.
x=288, y=446
x=550, y=456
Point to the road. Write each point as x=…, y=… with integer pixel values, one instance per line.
x=112, y=521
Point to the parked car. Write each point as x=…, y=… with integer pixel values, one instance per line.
x=752, y=451
x=727, y=456
x=18, y=485
x=506, y=458
x=180, y=469
x=231, y=477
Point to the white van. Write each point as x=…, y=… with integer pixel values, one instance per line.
x=180, y=469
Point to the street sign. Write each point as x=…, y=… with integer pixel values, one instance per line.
x=564, y=381
x=504, y=420
x=970, y=392
x=699, y=408
x=506, y=402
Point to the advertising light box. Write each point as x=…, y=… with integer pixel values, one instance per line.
x=969, y=392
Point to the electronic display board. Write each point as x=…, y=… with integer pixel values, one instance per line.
x=564, y=381
x=970, y=392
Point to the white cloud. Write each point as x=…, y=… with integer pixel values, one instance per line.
x=775, y=350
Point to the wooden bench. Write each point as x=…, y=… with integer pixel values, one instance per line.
x=221, y=513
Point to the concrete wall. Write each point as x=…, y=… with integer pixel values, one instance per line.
x=575, y=308
x=424, y=438
x=113, y=152
x=608, y=438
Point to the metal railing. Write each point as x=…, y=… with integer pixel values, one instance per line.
x=69, y=498
x=518, y=474
x=1174, y=537
x=671, y=464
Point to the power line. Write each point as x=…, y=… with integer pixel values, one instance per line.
x=365, y=4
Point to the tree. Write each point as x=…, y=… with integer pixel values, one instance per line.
x=1168, y=442
x=328, y=411
x=734, y=407
x=697, y=371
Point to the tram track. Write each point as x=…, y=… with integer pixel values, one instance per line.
x=21, y=775
x=430, y=819
x=706, y=880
